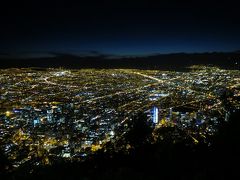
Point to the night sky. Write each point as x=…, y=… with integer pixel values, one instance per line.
x=119, y=28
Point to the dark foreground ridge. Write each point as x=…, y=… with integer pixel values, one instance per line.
x=160, y=61
x=155, y=161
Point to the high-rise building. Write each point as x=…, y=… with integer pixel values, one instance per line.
x=36, y=122
x=49, y=115
x=155, y=115
x=170, y=113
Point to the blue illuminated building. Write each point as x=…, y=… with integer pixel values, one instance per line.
x=155, y=115
x=36, y=122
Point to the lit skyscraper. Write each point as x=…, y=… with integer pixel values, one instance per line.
x=49, y=115
x=36, y=122
x=155, y=115
x=170, y=113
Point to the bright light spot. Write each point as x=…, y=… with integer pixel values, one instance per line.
x=8, y=113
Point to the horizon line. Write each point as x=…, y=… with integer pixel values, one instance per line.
x=93, y=53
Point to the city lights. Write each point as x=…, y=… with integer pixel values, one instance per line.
x=71, y=114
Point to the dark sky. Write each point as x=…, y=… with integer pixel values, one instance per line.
x=139, y=27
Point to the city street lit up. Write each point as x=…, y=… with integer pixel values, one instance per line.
x=50, y=114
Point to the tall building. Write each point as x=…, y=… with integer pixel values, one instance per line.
x=36, y=121
x=49, y=115
x=170, y=113
x=155, y=115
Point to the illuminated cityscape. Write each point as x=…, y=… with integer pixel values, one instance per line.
x=51, y=114
x=119, y=90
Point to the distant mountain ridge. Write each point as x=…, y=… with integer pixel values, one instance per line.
x=228, y=60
